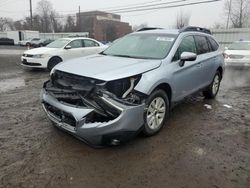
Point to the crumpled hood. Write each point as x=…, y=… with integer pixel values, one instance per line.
x=107, y=68
x=41, y=50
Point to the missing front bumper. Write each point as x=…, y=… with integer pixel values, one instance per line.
x=73, y=119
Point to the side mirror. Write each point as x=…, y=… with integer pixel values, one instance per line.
x=226, y=48
x=187, y=56
x=67, y=47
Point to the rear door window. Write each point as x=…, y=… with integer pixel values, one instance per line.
x=90, y=43
x=201, y=44
x=186, y=45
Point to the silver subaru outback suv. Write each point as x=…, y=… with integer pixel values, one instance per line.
x=107, y=98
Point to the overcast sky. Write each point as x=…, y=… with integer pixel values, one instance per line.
x=200, y=15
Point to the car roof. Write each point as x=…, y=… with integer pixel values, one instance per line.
x=73, y=38
x=161, y=31
x=188, y=29
x=173, y=32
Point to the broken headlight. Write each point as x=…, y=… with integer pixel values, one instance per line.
x=124, y=89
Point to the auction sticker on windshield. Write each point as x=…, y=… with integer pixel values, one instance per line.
x=169, y=39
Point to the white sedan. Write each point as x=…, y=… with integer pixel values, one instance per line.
x=61, y=50
x=238, y=54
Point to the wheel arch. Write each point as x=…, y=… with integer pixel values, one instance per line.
x=55, y=56
x=220, y=70
x=50, y=61
x=167, y=88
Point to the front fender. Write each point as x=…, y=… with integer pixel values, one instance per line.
x=150, y=80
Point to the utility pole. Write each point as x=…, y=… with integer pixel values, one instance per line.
x=79, y=22
x=31, y=18
x=229, y=13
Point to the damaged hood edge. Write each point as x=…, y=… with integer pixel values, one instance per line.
x=107, y=68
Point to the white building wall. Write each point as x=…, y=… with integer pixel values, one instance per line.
x=3, y=34
x=62, y=35
x=226, y=36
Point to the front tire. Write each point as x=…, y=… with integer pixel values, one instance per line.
x=213, y=88
x=156, y=113
x=53, y=62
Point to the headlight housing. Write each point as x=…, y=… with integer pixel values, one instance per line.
x=39, y=56
x=119, y=87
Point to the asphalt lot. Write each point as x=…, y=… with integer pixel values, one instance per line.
x=199, y=147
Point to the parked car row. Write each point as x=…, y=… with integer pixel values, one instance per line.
x=41, y=43
x=35, y=42
x=107, y=95
x=60, y=50
x=6, y=41
x=238, y=54
x=27, y=42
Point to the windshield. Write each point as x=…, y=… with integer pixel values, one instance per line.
x=240, y=46
x=142, y=45
x=59, y=43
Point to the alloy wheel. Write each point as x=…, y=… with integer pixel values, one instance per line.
x=156, y=113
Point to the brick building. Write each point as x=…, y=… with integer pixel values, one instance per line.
x=102, y=26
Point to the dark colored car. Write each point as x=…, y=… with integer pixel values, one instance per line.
x=41, y=43
x=6, y=41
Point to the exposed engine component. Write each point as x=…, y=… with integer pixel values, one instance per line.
x=122, y=87
x=82, y=91
x=132, y=85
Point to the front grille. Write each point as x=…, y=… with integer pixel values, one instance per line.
x=66, y=80
x=236, y=56
x=30, y=64
x=63, y=116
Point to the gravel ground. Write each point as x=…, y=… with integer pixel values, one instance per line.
x=199, y=147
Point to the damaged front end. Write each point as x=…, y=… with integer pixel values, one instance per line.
x=95, y=111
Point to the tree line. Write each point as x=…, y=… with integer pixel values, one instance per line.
x=45, y=19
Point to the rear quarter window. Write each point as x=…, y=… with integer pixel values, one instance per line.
x=214, y=45
x=201, y=44
x=90, y=43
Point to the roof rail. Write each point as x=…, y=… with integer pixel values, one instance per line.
x=148, y=28
x=198, y=29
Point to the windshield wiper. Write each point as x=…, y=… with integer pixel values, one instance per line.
x=102, y=53
x=127, y=56
x=123, y=56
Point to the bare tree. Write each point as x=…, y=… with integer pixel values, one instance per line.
x=70, y=24
x=238, y=11
x=48, y=17
x=218, y=25
x=182, y=20
x=44, y=9
x=18, y=25
x=56, y=25
x=6, y=24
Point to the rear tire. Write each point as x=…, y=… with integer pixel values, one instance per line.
x=213, y=88
x=156, y=113
x=53, y=62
